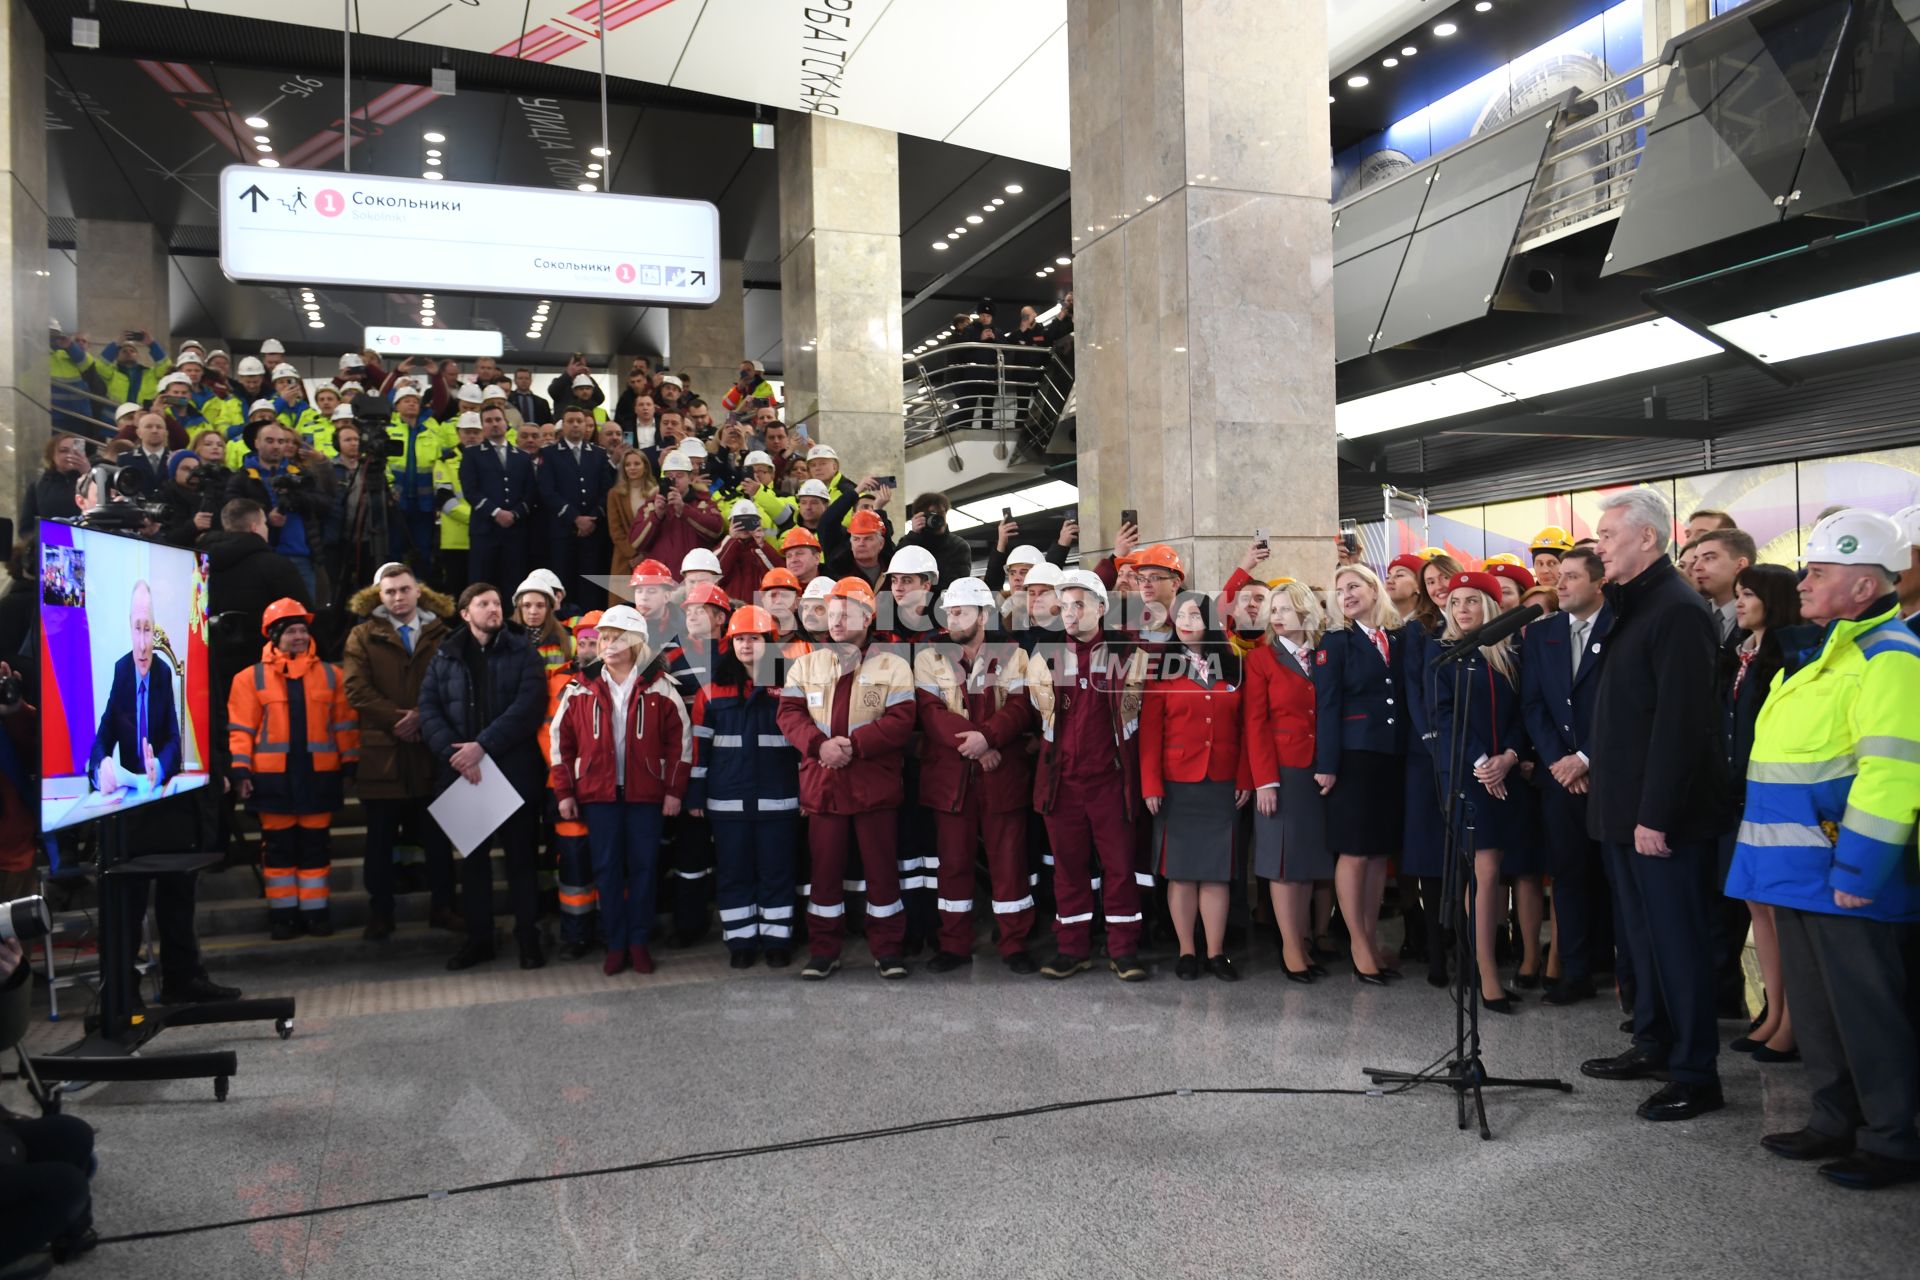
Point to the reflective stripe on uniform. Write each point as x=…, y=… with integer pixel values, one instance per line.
x=1010, y=908
x=692, y=875
x=726, y=806
x=960, y=906
x=726, y=739
x=819, y=909
x=732, y=914
x=1079, y=919
x=1874, y=827
x=881, y=911
x=1802, y=772
x=1782, y=835
x=744, y=931
x=1132, y=919
x=773, y=740
x=1890, y=748
x=780, y=806
x=779, y=932
x=776, y=913
x=1144, y=879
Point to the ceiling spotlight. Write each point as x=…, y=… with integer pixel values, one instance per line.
x=594, y=167
x=1063, y=261
x=533, y=333
x=434, y=137
x=940, y=244
x=1357, y=82
x=1013, y=188
x=1330, y=101
x=588, y=186
x=1389, y=62
x=433, y=151
x=986, y=208
x=432, y=163
x=1407, y=51
x=974, y=219
x=540, y=310
x=958, y=231
x=997, y=202
x=269, y=162
x=316, y=324
x=1483, y=6
x=261, y=137
x=1041, y=274
x=306, y=295
x=433, y=175
x=602, y=152
x=263, y=147
x=1047, y=271
x=255, y=122
x=1445, y=29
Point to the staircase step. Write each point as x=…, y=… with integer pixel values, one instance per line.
x=256, y=950
x=348, y=909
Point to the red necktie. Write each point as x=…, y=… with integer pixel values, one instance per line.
x=1380, y=643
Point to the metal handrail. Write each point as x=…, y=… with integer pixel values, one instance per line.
x=1561, y=201
x=978, y=386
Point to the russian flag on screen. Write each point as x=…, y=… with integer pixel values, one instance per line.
x=66, y=680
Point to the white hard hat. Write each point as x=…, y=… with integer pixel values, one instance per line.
x=258, y=405
x=403, y=389
x=1024, y=554
x=758, y=458
x=175, y=380
x=191, y=355
x=284, y=371
x=342, y=413
x=674, y=460
x=532, y=583
x=550, y=579
x=353, y=360
x=211, y=353
x=757, y=366
x=815, y=489
x=131, y=407
x=742, y=507
x=470, y=394
x=624, y=617
x=583, y=380
x=820, y=451
x=819, y=589
x=1908, y=518
x=968, y=592
x=493, y=391
x=699, y=560
x=1045, y=574
x=1859, y=536
x=913, y=560
x=692, y=448
x=1084, y=581
x=668, y=377
x=272, y=347
x=249, y=367
x=468, y=422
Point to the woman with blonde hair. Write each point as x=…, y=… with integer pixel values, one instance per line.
x=1480, y=701
x=625, y=501
x=1360, y=686
x=1277, y=737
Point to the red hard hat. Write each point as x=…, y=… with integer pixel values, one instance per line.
x=708, y=594
x=751, y=620
x=285, y=609
x=650, y=573
x=779, y=579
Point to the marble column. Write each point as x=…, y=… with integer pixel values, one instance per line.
x=23, y=241
x=840, y=288
x=125, y=277
x=1203, y=273
x=707, y=345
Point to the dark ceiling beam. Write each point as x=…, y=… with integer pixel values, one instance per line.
x=1590, y=428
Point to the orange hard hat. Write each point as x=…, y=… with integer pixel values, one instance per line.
x=751, y=620
x=650, y=573
x=1160, y=556
x=865, y=522
x=852, y=589
x=708, y=594
x=586, y=621
x=285, y=609
x=778, y=579
x=799, y=536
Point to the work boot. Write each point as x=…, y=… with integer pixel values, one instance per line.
x=379, y=928
x=319, y=923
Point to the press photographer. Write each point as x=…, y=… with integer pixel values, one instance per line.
x=362, y=510
x=192, y=497
x=294, y=491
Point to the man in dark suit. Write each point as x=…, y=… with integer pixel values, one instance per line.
x=575, y=477
x=1652, y=803
x=530, y=407
x=1559, y=675
x=499, y=483
x=138, y=729
x=150, y=462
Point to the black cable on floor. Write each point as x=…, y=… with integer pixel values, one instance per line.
x=772, y=1148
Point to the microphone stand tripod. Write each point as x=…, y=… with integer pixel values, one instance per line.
x=1462, y=1069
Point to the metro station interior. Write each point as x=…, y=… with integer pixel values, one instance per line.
x=1072, y=291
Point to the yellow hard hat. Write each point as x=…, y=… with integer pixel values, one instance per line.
x=1552, y=538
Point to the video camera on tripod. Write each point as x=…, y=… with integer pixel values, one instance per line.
x=122, y=499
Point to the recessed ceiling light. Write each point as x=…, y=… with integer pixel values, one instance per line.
x=588, y=186
x=540, y=310
x=958, y=231
x=1445, y=29
x=433, y=151
x=1047, y=271
x=974, y=219
x=1483, y=6
x=594, y=167
x=433, y=174
x=1063, y=261
x=1330, y=101
x=269, y=162
x=261, y=137
x=255, y=122
x=986, y=208
x=1014, y=188
x=263, y=147
x=1407, y=51
x=1389, y=62
x=533, y=333
x=316, y=324
x=1041, y=274
x=940, y=244
x=432, y=163
x=434, y=137
x=1357, y=82
x=602, y=152
x=997, y=202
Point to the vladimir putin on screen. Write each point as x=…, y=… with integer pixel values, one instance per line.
x=139, y=733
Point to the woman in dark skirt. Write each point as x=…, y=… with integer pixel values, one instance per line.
x=1423, y=848
x=1492, y=804
x=1276, y=734
x=1360, y=731
x=1193, y=778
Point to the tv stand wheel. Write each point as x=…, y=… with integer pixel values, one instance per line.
x=220, y=1088
x=285, y=1027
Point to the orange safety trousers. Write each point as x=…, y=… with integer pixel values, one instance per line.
x=296, y=864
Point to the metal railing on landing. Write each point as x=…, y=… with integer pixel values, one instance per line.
x=1016, y=393
x=1591, y=157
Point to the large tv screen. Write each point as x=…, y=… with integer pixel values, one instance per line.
x=125, y=703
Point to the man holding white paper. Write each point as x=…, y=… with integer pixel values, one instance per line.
x=482, y=700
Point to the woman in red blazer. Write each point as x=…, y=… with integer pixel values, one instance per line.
x=1277, y=706
x=1193, y=778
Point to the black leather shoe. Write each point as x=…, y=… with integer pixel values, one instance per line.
x=1368, y=979
x=1766, y=1053
x=1526, y=981
x=947, y=962
x=1570, y=992
x=1503, y=1004
x=447, y=918
x=1222, y=968
x=1065, y=966
x=283, y=930
x=318, y=924
x=196, y=990
x=533, y=957
x=740, y=960
x=1187, y=967
x=1022, y=962
x=1865, y=1171
x=469, y=955
x=820, y=967
x=1634, y=1064
x=1626, y=1026
x=1807, y=1144
x=1316, y=969
x=1302, y=976
x=1128, y=968
x=1682, y=1101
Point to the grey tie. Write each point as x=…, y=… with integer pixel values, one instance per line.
x=1579, y=644
x=502, y=449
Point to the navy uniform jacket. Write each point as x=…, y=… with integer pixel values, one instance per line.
x=569, y=489
x=1362, y=701
x=489, y=487
x=1557, y=705
x=119, y=731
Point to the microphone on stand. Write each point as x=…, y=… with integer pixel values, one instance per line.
x=1493, y=632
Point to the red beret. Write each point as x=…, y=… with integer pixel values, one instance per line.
x=1519, y=574
x=1409, y=561
x=1478, y=581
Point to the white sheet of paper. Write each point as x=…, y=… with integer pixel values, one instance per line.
x=471, y=812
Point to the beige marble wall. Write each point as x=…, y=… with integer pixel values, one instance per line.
x=708, y=344
x=1203, y=277
x=840, y=288
x=23, y=246
x=124, y=281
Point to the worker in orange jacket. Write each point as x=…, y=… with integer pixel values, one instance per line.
x=295, y=739
x=573, y=859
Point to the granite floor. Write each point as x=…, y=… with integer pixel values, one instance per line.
x=402, y=1079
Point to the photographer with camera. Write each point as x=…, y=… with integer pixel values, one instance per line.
x=928, y=529
x=191, y=507
x=295, y=495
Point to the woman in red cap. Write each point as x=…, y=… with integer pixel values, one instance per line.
x=1477, y=703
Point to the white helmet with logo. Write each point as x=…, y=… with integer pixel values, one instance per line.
x=1858, y=536
x=967, y=593
x=250, y=367
x=916, y=560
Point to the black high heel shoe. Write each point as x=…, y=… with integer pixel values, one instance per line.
x=1526, y=981
x=1317, y=969
x=1368, y=979
x=1302, y=976
x=1503, y=1005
